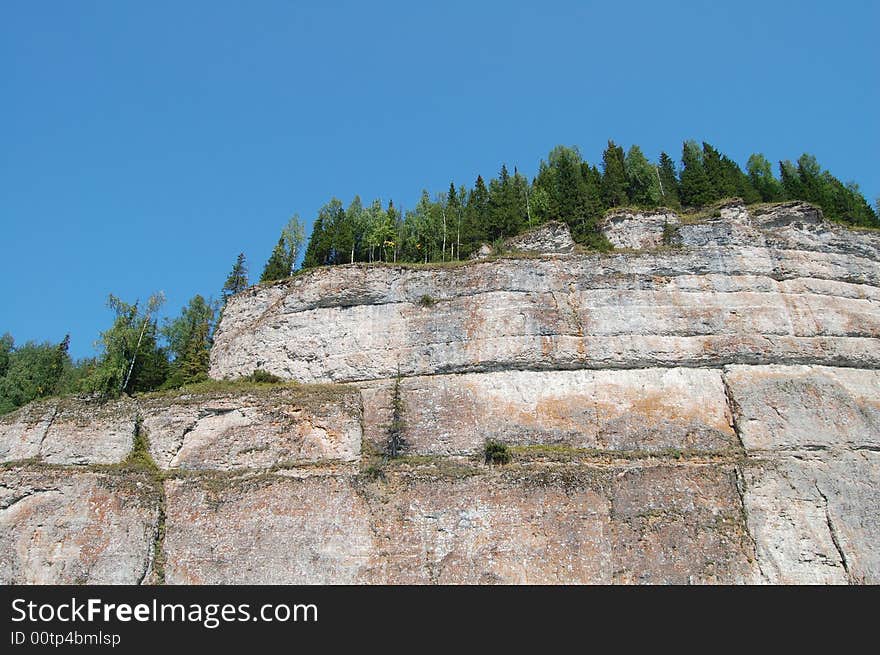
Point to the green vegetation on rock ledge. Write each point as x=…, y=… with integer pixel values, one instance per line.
x=455, y=223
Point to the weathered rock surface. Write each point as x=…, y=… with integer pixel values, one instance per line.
x=669, y=524
x=551, y=237
x=313, y=530
x=702, y=414
x=806, y=407
x=705, y=306
x=633, y=410
x=638, y=230
x=59, y=526
x=816, y=519
x=221, y=430
x=253, y=428
x=69, y=431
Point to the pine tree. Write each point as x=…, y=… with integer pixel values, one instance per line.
x=237, y=280
x=614, y=182
x=696, y=188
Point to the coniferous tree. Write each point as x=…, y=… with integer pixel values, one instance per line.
x=570, y=191
x=522, y=194
x=791, y=181
x=614, y=181
x=543, y=198
x=593, y=190
x=237, y=280
x=720, y=182
x=696, y=188
x=474, y=230
x=505, y=207
x=669, y=195
x=189, y=338
x=276, y=267
x=6, y=344
x=762, y=179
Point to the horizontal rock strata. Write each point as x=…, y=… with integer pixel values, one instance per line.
x=705, y=412
x=778, y=287
x=733, y=475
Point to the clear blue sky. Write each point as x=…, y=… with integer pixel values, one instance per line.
x=144, y=144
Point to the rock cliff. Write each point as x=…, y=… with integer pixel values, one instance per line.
x=701, y=405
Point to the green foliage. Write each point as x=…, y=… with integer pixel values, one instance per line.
x=669, y=186
x=496, y=452
x=669, y=232
x=396, y=442
x=6, y=344
x=140, y=458
x=454, y=224
x=32, y=371
x=131, y=358
x=237, y=280
x=259, y=376
x=696, y=187
x=286, y=251
x=643, y=179
x=189, y=338
x=427, y=301
x=761, y=176
x=614, y=179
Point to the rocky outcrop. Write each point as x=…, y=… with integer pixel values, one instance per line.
x=240, y=427
x=639, y=230
x=550, y=237
x=723, y=302
x=706, y=412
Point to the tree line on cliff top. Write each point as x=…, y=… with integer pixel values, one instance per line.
x=454, y=223
x=137, y=353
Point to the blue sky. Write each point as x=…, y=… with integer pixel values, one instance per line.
x=143, y=145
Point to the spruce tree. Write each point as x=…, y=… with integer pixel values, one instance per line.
x=722, y=186
x=614, y=182
x=189, y=338
x=277, y=266
x=237, y=280
x=696, y=188
x=476, y=215
x=669, y=195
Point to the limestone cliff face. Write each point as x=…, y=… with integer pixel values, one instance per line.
x=700, y=406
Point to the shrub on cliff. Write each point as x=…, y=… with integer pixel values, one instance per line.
x=496, y=452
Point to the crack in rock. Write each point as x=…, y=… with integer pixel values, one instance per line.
x=834, y=536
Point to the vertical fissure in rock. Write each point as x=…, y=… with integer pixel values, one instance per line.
x=835, y=539
x=46, y=430
x=732, y=408
x=141, y=458
x=740, y=484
